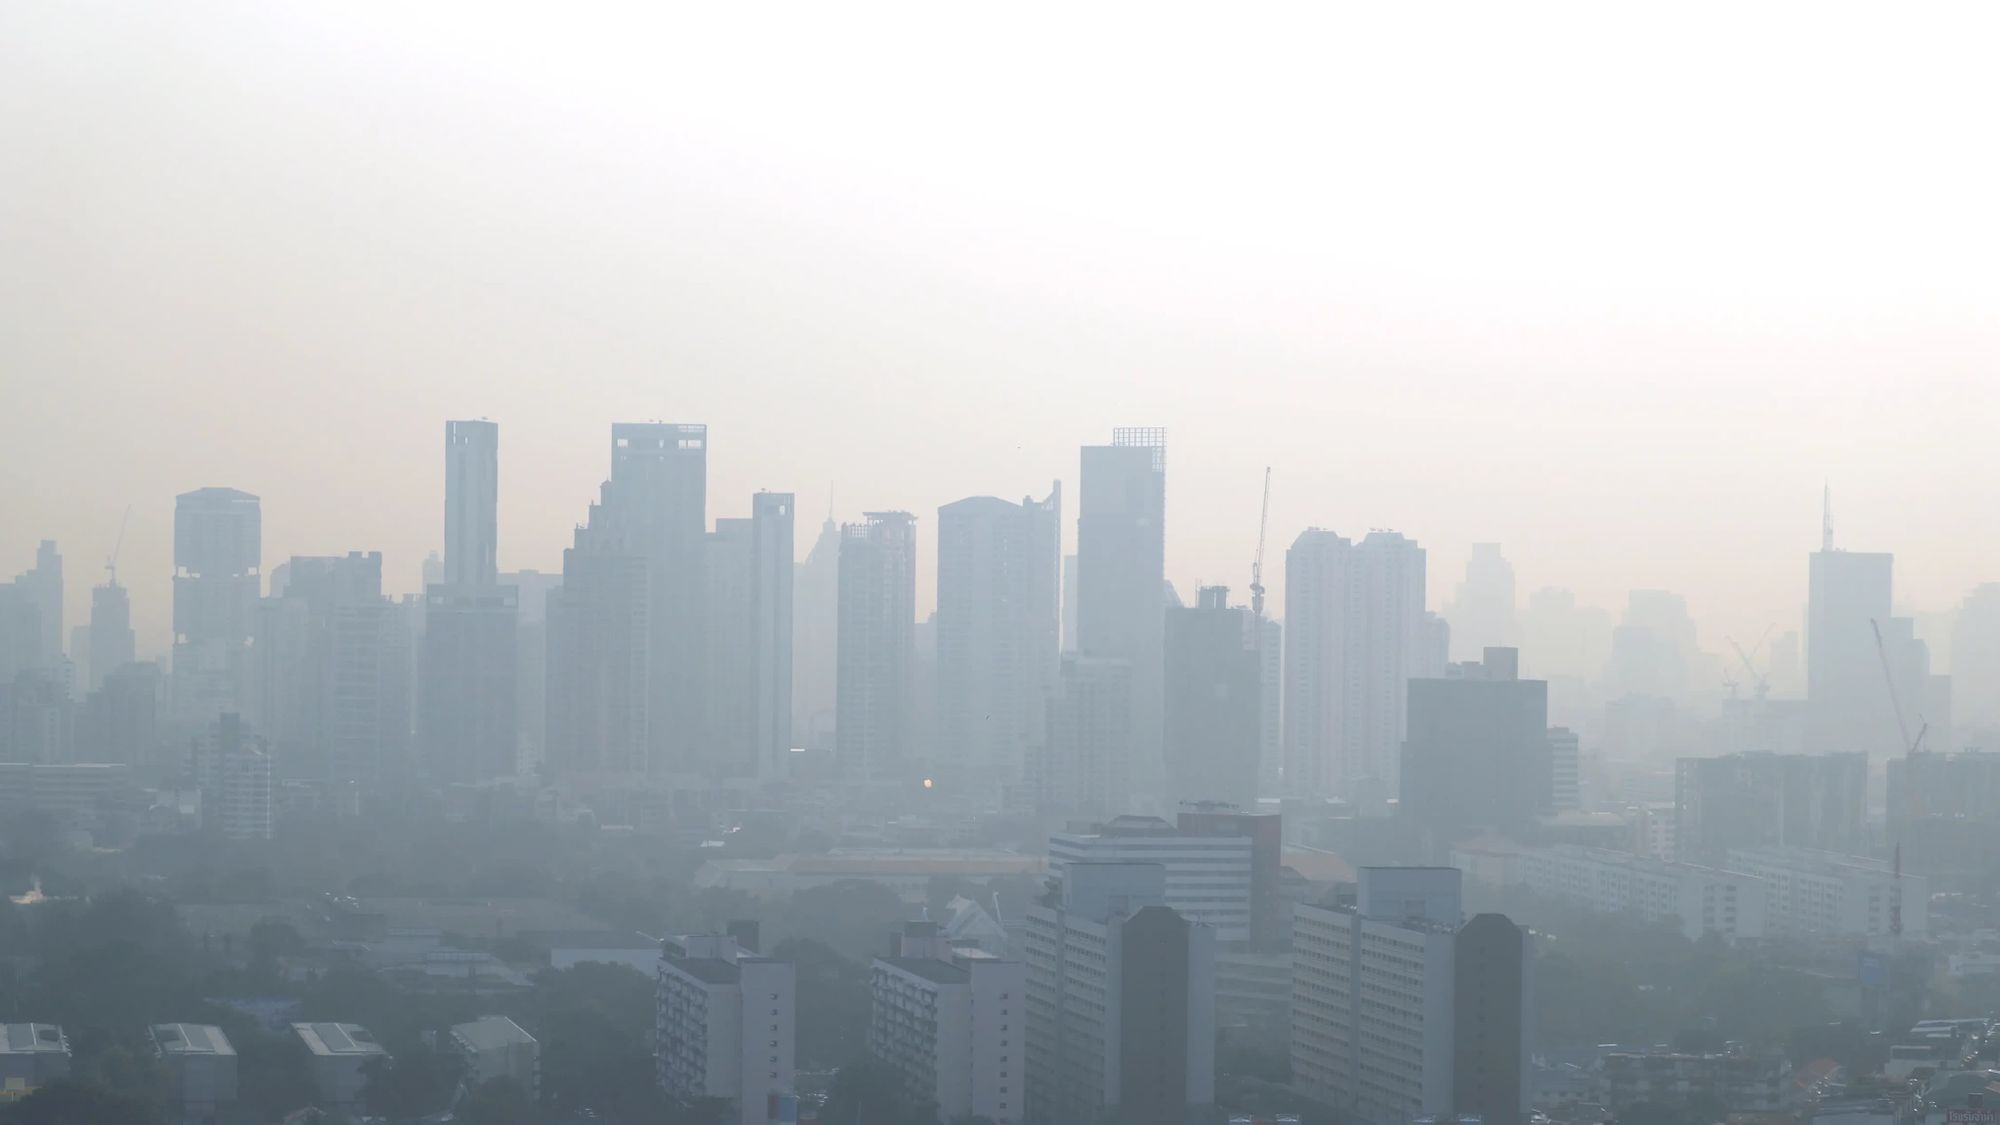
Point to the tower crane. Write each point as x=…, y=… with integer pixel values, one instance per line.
x=1257, y=567
x=1762, y=682
x=111, y=564
x=1911, y=748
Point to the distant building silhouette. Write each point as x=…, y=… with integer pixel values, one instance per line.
x=815, y=623
x=1121, y=579
x=1085, y=763
x=877, y=646
x=471, y=503
x=112, y=642
x=660, y=471
x=218, y=553
x=749, y=630
x=1482, y=608
x=1478, y=751
x=598, y=640
x=1214, y=701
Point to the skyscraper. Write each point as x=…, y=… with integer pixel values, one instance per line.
x=1214, y=702
x=877, y=643
x=597, y=702
x=1121, y=577
x=112, y=644
x=773, y=562
x=471, y=503
x=44, y=586
x=815, y=623
x=749, y=628
x=660, y=474
x=1356, y=632
x=1846, y=692
x=1084, y=764
x=1478, y=752
x=1482, y=609
x=218, y=552
x=330, y=682
x=997, y=625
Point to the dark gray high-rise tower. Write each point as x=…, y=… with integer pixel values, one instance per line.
x=659, y=474
x=471, y=503
x=1121, y=559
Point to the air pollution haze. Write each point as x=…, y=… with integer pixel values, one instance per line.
x=1618, y=290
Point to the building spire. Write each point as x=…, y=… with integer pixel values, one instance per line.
x=1826, y=517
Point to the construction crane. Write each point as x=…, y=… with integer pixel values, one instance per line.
x=1257, y=567
x=111, y=564
x=1762, y=682
x=1911, y=748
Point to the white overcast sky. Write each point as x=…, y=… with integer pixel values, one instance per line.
x=1616, y=285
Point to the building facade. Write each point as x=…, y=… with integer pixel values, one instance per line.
x=877, y=646
x=1214, y=701
x=1121, y=579
x=950, y=1022
x=218, y=576
x=726, y=1023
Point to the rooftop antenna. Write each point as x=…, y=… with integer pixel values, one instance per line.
x=1826, y=517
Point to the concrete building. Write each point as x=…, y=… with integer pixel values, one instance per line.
x=1761, y=800
x=1121, y=573
x=218, y=555
x=1355, y=635
x=1208, y=877
x=749, y=604
x=31, y=1056
x=1849, y=595
x=951, y=1023
x=1214, y=701
x=1402, y=1010
x=1477, y=755
x=815, y=626
x=726, y=1024
x=233, y=771
x=659, y=471
x=1944, y=812
x=1702, y=900
x=471, y=503
x=997, y=633
x=1482, y=608
x=598, y=704
x=112, y=642
x=1085, y=765
x=74, y=794
x=906, y=871
x=1565, y=770
x=201, y=1065
x=877, y=647
x=120, y=719
x=339, y=1052
x=1121, y=1001
x=495, y=1047
x=1745, y=1083
x=467, y=722
x=1824, y=893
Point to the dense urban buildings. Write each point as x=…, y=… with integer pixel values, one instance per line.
x=201, y=1067
x=726, y=1023
x=950, y=1022
x=1771, y=800
x=495, y=1047
x=218, y=556
x=1478, y=750
x=660, y=471
x=1207, y=876
x=1402, y=1009
x=1215, y=713
x=750, y=636
x=877, y=647
x=471, y=503
x=339, y=1060
x=997, y=633
x=468, y=676
x=232, y=770
x=1121, y=1000
x=1085, y=766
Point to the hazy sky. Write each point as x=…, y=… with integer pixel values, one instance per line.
x=1616, y=285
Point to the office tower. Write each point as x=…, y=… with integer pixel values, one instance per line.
x=1448, y=1038
x=1816, y=801
x=1269, y=641
x=112, y=644
x=218, y=552
x=1653, y=649
x=1069, y=603
x=878, y=593
x=1477, y=755
x=1265, y=831
x=997, y=631
x=597, y=653
x=1214, y=701
x=1084, y=765
x=533, y=589
x=1356, y=632
x=43, y=586
x=725, y=1024
x=1121, y=559
x=1482, y=609
x=1562, y=640
x=660, y=475
x=233, y=771
x=1121, y=1000
x=37, y=720
x=466, y=717
x=120, y=720
x=1845, y=690
x=749, y=601
x=471, y=503
x=20, y=632
x=1565, y=770
x=1207, y=875
x=815, y=629
x=950, y=1023
x=1944, y=813
x=1975, y=660
x=329, y=677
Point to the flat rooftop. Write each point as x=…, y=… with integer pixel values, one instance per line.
x=925, y=968
x=490, y=1033
x=191, y=1039
x=708, y=970
x=338, y=1039
x=33, y=1038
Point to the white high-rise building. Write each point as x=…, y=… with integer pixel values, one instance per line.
x=1356, y=633
x=951, y=1022
x=1085, y=764
x=1208, y=878
x=1121, y=1000
x=233, y=772
x=471, y=503
x=749, y=699
x=1815, y=893
x=218, y=551
x=997, y=631
x=1401, y=1009
x=1121, y=580
x=1565, y=770
x=725, y=1025
x=1702, y=900
x=877, y=646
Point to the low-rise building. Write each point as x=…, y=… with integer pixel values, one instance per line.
x=1813, y=892
x=1208, y=875
x=951, y=1023
x=31, y=1055
x=1701, y=900
x=495, y=1047
x=339, y=1053
x=1745, y=1083
x=906, y=871
x=725, y=1024
x=201, y=1064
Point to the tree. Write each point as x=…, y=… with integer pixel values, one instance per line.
x=67, y=1102
x=413, y=1084
x=833, y=1004
x=499, y=1101
x=274, y=1074
x=870, y=1093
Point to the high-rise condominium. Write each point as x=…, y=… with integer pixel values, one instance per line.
x=471, y=503
x=877, y=645
x=218, y=551
x=659, y=471
x=1121, y=578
